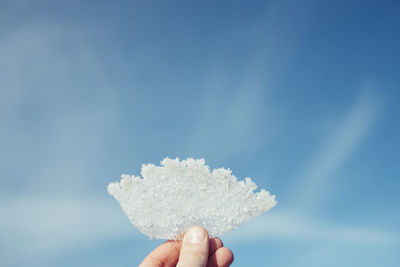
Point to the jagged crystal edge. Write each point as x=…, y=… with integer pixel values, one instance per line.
x=179, y=194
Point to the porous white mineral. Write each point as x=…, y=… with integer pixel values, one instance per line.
x=179, y=194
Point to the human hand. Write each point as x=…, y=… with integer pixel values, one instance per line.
x=195, y=250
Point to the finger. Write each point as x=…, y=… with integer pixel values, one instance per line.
x=214, y=244
x=194, y=250
x=165, y=255
x=223, y=257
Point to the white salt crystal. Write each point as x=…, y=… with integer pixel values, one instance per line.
x=179, y=194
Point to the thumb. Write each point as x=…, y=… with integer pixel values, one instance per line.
x=194, y=250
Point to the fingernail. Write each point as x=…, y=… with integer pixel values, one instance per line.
x=195, y=235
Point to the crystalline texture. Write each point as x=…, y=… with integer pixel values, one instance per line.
x=179, y=194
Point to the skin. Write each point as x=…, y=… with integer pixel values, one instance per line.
x=195, y=250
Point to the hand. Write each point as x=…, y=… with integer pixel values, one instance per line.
x=195, y=250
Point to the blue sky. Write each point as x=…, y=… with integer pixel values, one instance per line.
x=301, y=96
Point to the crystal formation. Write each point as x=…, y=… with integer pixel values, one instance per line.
x=179, y=194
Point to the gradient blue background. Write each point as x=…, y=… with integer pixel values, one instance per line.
x=301, y=96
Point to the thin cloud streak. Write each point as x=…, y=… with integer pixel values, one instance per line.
x=45, y=226
x=291, y=228
x=337, y=149
x=340, y=145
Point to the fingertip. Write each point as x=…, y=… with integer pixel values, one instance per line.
x=194, y=250
x=228, y=255
x=196, y=235
x=219, y=241
x=214, y=243
x=221, y=258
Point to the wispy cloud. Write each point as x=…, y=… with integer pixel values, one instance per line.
x=45, y=226
x=54, y=117
x=300, y=222
x=290, y=227
x=338, y=147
